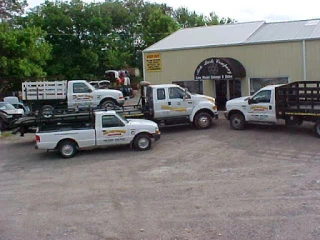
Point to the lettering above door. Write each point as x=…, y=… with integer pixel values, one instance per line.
x=219, y=69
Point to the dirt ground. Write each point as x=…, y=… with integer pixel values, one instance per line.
x=260, y=183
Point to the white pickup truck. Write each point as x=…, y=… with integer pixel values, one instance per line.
x=294, y=102
x=73, y=94
x=106, y=128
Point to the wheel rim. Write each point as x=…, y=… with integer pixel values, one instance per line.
x=67, y=150
x=236, y=122
x=143, y=143
x=203, y=121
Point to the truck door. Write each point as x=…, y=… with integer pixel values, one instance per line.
x=160, y=103
x=261, y=107
x=113, y=131
x=80, y=96
x=179, y=103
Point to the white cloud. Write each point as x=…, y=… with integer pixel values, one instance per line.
x=243, y=10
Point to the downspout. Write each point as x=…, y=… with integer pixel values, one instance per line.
x=143, y=67
x=304, y=67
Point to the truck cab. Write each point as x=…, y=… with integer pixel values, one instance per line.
x=82, y=94
x=170, y=103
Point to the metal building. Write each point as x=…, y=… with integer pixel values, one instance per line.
x=228, y=61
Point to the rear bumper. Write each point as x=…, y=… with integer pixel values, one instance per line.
x=156, y=136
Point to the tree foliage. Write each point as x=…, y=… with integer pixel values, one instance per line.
x=89, y=38
x=23, y=53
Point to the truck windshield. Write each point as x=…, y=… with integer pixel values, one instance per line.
x=122, y=118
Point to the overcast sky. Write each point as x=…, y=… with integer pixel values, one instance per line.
x=243, y=10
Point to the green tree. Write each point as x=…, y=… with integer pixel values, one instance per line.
x=10, y=8
x=214, y=19
x=188, y=19
x=23, y=54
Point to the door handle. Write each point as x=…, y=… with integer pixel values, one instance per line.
x=169, y=103
x=270, y=107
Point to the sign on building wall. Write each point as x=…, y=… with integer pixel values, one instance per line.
x=219, y=69
x=153, y=62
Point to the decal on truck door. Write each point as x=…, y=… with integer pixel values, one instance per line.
x=113, y=132
x=175, y=109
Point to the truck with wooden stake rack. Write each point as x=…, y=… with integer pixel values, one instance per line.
x=61, y=96
x=165, y=104
x=103, y=129
x=294, y=102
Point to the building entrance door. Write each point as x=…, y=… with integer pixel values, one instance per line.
x=226, y=90
x=221, y=93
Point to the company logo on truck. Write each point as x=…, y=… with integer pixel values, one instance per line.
x=259, y=108
x=82, y=97
x=114, y=132
x=175, y=109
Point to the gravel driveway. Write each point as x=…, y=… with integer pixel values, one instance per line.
x=260, y=183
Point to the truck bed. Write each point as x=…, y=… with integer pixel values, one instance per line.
x=298, y=98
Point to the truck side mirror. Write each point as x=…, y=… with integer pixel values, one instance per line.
x=250, y=101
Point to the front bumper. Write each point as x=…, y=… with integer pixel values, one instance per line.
x=156, y=136
x=121, y=102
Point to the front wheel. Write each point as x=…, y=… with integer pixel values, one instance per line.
x=47, y=111
x=67, y=149
x=202, y=120
x=317, y=128
x=237, y=121
x=142, y=142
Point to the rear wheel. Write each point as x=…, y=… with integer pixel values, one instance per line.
x=142, y=142
x=108, y=105
x=237, y=121
x=202, y=120
x=67, y=149
x=47, y=111
x=317, y=128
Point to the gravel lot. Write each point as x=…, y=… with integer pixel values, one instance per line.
x=261, y=183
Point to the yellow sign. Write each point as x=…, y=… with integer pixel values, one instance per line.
x=153, y=62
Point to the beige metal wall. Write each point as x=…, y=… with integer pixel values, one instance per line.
x=260, y=61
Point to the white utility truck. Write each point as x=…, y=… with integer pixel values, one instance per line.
x=294, y=102
x=105, y=128
x=165, y=104
x=50, y=97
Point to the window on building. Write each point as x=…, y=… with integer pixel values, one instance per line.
x=258, y=83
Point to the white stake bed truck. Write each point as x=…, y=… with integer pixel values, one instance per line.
x=294, y=102
x=165, y=104
x=105, y=128
x=51, y=97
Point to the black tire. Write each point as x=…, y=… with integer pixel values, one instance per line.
x=317, y=129
x=47, y=111
x=142, y=142
x=108, y=105
x=237, y=121
x=202, y=120
x=2, y=125
x=67, y=149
